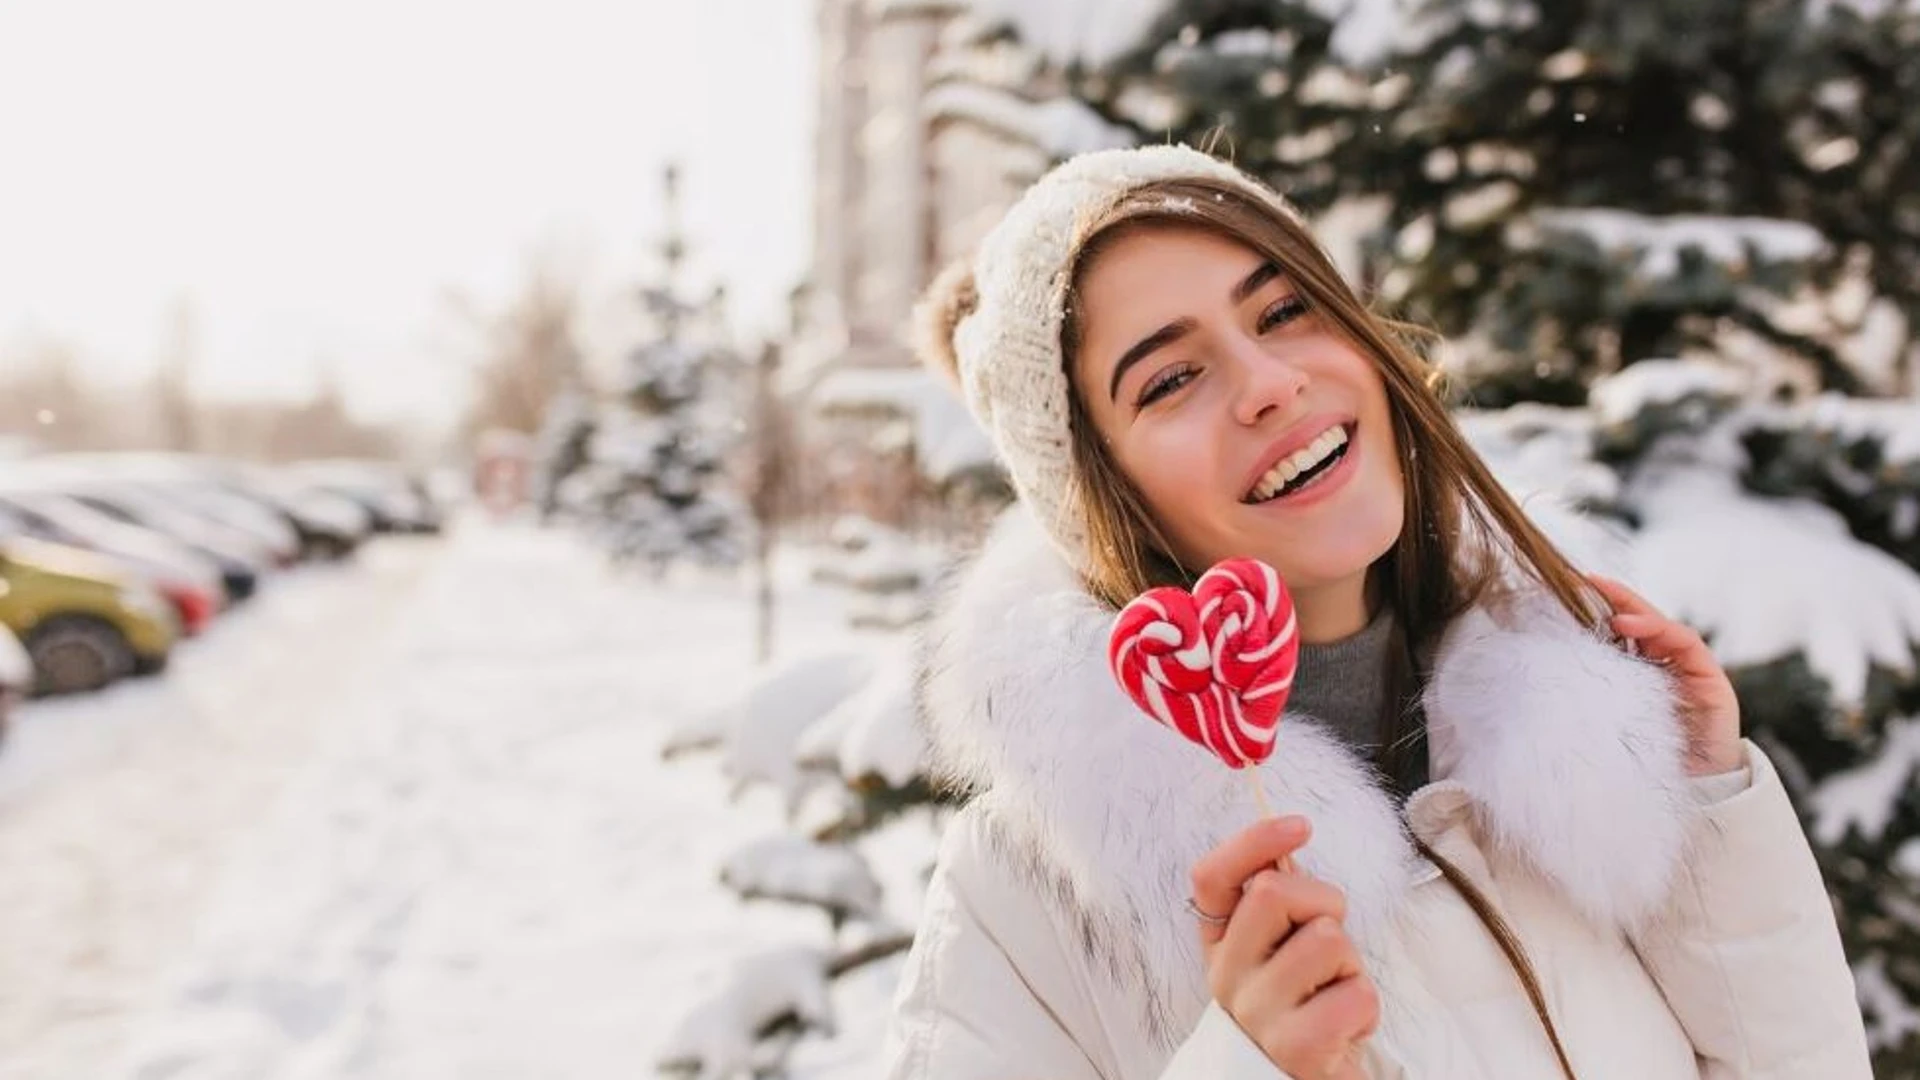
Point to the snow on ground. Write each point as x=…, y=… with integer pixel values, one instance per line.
x=474, y=863
x=116, y=809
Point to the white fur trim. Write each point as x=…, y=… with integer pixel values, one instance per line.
x=1567, y=748
x=1570, y=750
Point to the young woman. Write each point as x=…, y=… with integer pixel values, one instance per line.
x=1526, y=837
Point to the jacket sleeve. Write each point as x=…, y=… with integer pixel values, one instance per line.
x=971, y=1005
x=1747, y=950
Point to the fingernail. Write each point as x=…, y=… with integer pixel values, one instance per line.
x=1290, y=826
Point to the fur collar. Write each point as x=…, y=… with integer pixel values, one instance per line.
x=1566, y=749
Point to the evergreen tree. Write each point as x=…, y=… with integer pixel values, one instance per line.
x=562, y=448
x=1271, y=83
x=656, y=489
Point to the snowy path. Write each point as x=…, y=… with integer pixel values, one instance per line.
x=117, y=809
x=482, y=871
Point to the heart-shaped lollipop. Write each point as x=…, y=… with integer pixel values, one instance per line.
x=1216, y=664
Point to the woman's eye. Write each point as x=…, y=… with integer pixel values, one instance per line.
x=1281, y=313
x=1165, y=383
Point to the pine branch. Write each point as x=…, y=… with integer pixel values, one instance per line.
x=872, y=952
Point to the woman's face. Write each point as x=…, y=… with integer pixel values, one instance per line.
x=1249, y=424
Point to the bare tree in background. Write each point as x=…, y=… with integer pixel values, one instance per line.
x=45, y=397
x=173, y=401
x=527, y=352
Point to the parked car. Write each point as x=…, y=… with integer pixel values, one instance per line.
x=241, y=561
x=264, y=526
x=83, y=623
x=329, y=526
x=398, y=502
x=225, y=491
x=191, y=583
x=16, y=677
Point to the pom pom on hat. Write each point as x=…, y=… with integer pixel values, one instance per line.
x=950, y=298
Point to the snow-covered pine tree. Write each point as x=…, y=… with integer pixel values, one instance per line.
x=561, y=447
x=657, y=490
x=1676, y=251
x=833, y=732
x=1276, y=86
x=1698, y=223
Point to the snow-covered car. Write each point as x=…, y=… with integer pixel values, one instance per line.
x=397, y=502
x=186, y=483
x=330, y=526
x=16, y=677
x=264, y=526
x=190, y=582
x=242, y=560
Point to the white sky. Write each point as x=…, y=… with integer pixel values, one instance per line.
x=314, y=178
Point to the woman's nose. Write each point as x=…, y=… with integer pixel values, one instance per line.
x=1264, y=383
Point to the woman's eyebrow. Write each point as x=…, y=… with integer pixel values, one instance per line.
x=1174, y=331
x=1143, y=348
x=1249, y=285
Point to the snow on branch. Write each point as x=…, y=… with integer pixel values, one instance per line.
x=1891, y=1018
x=748, y=1027
x=1060, y=127
x=947, y=441
x=1620, y=397
x=1895, y=425
x=778, y=707
x=872, y=737
x=1769, y=578
x=1066, y=32
x=701, y=731
x=1862, y=799
x=1656, y=243
x=872, y=557
x=832, y=877
x=1541, y=448
x=726, y=1035
x=1094, y=33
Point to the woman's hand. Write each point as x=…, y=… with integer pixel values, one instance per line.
x=1708, y=706
x=1281, y=964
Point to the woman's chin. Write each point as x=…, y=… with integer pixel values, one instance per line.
x=1306, y=567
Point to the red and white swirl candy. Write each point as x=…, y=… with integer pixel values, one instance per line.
x=1216, y=664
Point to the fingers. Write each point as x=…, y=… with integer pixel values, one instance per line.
x=1657, y=634
x=1323, y=1038
x=1657, y=637
x=1622, y=599
x=1266, y=917
x=1219, y=877
x=1674, y=644
x=1317, y=955
x=1346, y=1013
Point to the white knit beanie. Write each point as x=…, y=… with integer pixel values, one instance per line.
x=1006, y=349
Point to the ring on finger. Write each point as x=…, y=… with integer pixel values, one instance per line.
x=1193, y=908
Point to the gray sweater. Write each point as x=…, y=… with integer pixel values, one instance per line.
x=1343, y=683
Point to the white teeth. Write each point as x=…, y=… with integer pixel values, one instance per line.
x=1298, y=462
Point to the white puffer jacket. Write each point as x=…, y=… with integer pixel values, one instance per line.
x=1678, y=927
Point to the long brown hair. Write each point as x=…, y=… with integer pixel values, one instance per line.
x=1436, y=569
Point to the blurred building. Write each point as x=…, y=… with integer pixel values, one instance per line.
x=931, y=122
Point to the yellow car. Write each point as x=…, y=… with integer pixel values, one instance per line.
x=83, y=622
